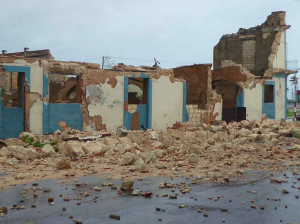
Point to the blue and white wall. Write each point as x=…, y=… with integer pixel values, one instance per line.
x=34, y=77
x=254, y=94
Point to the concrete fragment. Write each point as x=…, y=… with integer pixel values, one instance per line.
x=12, y=161
x=211, y=141
x=140, y=165
x=5, y=152
x=157, y=145
x=95, y=147
x=73, y=149
x=22, y=153
x=129, y=158
x=3, y=159
x=47, y=151
x=197, y=149
x=150, y=158
x=121, y=132
x=57, y=132
x=159, y=153
x=64, y=163
x=125, y=141
x=77, y=221
x=193, y=158
x=110, y=141
x=20, y=176
x=136, y=138
x=29, y=134
x=127, y=184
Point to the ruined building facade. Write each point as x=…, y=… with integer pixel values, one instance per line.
x=41, y=95
x=261, y=85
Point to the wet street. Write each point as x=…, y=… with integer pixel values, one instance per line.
x=236, y=197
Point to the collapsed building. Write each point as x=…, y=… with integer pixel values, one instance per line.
x=249, y=79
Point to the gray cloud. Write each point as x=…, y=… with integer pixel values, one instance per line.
x=179, y=31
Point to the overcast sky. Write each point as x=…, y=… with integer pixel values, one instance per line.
x=175, y=32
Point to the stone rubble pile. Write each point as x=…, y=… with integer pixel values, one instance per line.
x=218, y=151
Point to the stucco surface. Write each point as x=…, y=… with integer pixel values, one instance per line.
x=167, y=103
x=253, y=102
x=36, y=118
x=280, y=59
x=280, y=97
x=109, y=104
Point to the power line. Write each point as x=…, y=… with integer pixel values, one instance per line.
x=135, y=59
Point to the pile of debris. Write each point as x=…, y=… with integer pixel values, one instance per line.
x=216, y=152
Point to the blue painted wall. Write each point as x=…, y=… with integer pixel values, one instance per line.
x=269, y=108
x=55, y=112
x=12, y=119
x=149, y=101
x=240, y=100
x=144, y=110
x=185, y=113
x=45, y=85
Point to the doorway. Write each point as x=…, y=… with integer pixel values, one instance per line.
x=138, y=101
x=269, y=99
x=233, y=102
x=12, y=118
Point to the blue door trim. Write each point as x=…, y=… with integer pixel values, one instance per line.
x=24, y=69
x=128, y=116
x=185, y=114
x=149, y=102
x=285, y=76
x=269, y=108
x=240, y=99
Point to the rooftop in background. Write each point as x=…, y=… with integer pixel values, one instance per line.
x=39, y=54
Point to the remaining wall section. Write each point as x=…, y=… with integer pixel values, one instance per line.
x=194, y=115
x=280, y=97
x=167, y=103
x=253, y=102
x=248, y=54
x=280, y=59
x=106, y=101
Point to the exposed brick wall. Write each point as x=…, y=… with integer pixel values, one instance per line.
x=248, y=54
x=194, y=114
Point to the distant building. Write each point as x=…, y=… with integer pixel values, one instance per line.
x=39, y=54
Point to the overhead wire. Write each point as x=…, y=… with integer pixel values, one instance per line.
x=135, y=59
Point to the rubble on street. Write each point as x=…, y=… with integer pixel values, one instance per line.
x=205, y=153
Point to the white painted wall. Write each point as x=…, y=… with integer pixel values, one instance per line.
x=167, y=103
x=253, y=102
x=36, y=112
x=280, y=59
x=110, y=106
x=36, y=79
x=36, y=118
x=218, y=109
x=280, y=97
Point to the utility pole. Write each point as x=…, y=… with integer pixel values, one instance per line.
x=103, y=61
x=294, y=80
x=295, y=103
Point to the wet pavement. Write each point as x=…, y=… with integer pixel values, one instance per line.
x=138, y=209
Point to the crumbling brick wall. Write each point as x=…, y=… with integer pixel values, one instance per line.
x=254, y=48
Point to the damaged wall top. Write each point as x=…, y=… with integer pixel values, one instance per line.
x=255, y=48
